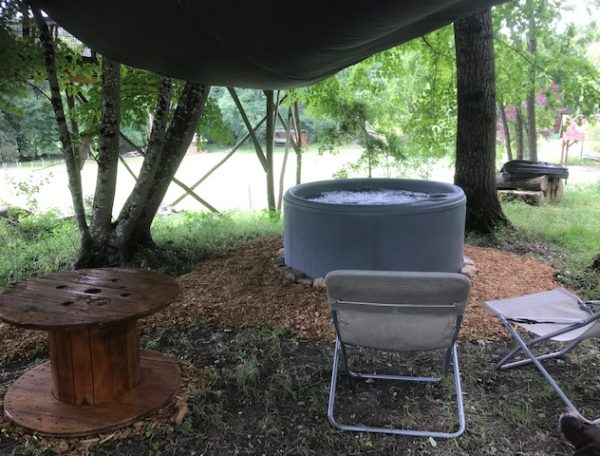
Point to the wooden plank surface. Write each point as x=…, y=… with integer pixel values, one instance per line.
x=62, y=366
x=86, y=297
x=83, y=380
x=29, y=401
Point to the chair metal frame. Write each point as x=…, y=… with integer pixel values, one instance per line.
x=524, y=346
x=451, y=356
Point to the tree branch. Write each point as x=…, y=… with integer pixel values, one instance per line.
x=259, y=152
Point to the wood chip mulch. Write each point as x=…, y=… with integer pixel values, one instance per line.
x=240, y=287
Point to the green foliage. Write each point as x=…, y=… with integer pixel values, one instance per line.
x=212, y=127
x=188, y=237
x=35, y=244
x=20, y=56
x=246, y=375
x=565, y=78
x=31, y=127
x=254, y=105
x=139, y=90
x=570, y=224
x=396, y=104
x=39, y=244
x=29, y=188
x=8, y=143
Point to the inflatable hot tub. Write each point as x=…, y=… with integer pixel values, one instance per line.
x=375, y=224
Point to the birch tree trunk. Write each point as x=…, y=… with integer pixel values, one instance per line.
x=108, y=242
x=69, y=152
x=115, y=242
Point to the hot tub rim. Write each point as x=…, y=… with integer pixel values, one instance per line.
x=454, y=196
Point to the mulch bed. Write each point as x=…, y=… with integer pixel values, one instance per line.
x=240, y=287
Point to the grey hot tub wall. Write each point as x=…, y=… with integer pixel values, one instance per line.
x=426, y=235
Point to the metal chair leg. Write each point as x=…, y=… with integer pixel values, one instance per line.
x=553, y=384
x=407, y=432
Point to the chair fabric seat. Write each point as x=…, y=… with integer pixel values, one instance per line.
x=397, y=311
x=559, y=306
x=556, y=315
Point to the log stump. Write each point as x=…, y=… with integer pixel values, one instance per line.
x=533, y=191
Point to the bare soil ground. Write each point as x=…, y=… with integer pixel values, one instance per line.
x=256, y=351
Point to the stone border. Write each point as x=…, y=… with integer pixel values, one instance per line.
x=293, y=275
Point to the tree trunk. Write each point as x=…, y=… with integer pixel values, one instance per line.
x=531, y=127
x=104, y=242
x=76, y=138
x=520, y=135
x=108, y=156
x=298, y=143
x=177, y=140
x=476, y=96
x=134, y=206
x=115, y=243
x=271, y=205
x=288, y=134
x=506, y=131
x=69, y=152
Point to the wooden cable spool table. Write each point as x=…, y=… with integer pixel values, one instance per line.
x=97, y=378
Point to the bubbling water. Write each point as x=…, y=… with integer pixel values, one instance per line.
x=380, y=196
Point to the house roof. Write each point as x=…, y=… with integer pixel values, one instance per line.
x=260, y=44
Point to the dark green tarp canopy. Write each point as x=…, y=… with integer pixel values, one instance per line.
x=261, y=44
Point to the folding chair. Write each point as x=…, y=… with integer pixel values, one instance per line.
x=556, y=315
x=397, y=312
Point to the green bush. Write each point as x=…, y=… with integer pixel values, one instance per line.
x=35, y=244
x=186, y=238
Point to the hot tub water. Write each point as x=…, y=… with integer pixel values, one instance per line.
x=376, y=196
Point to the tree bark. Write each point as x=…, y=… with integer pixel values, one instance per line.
x=520, y=135
x=298, y=145
x=65, y=136
x=531, y=127
x=134, y=206
x=476, y=129
x=506, y=131
x=108, y=155
x=104, y=242
x=177, y=140
x=288, y=132
x=271, y=113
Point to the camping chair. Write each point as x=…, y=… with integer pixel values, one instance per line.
x=396, y=312
x=556, y=315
